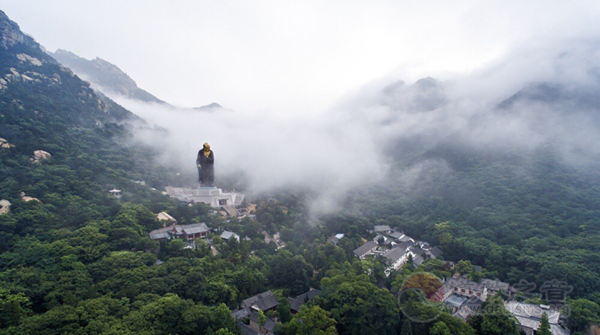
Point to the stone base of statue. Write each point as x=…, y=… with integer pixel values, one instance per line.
x=210, y=195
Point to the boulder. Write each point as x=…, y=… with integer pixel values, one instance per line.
x=27, y=198
x=4, y=206
x=40, y=155
x=5, y=145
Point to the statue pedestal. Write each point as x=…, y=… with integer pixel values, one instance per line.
x=210, y=195
x=215, y=197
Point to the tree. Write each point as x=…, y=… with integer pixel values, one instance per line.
x=11, y=308
x=583, y=312
x=222, y=319
x=544, y=328
x=223, y=331
x=440, y=328
x=359, y=306
x=406, y=328
x=261, y=319
x=496, y=319
x=165, y=315
x=311, y=320
x=464, y=267
x=283, y=309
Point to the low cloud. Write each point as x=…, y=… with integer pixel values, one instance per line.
x=354, y=143
x=320, y=154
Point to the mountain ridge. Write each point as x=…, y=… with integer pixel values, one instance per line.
x=106, y=76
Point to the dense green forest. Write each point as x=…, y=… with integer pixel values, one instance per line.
x=79, y=261
x=536, y=223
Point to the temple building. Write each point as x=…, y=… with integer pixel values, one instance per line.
x=210, y=195
x=115, y=193
x=185, y=232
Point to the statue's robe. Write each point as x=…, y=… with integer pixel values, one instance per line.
x=206, y=171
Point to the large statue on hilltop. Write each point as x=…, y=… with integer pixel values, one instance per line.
x=205, y=163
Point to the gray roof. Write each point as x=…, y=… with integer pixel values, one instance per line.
x=394, y=255
x=310, y=295
x=469, y=307
x=425, y=246
x=386, y=240
x=396, y=234
x=269, y=324
x=404, y=245
x=240, y=314
x=495, y=285
x=462, y=283
x=436, y=252
x=473, y=304
x=531, y=311
x=179, y=230
x=246, y=330
x=455, y=300
x=160, y=233
x=463, y=313
x=418, y=260
x=194, y=228
x=405, y=238
x=299, y=300
x=263, y=301
x=417, y=251
x=529, y=316
x=228, y=234
x=365, y=248
x=295, y=304
x=381, y=228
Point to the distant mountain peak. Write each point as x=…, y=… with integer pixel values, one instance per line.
x=426, y=94
x=209, y=107
x=107, y=77
x=10, y=33
x=34, y=84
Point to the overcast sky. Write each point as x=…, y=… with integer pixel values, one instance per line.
x=283, y=56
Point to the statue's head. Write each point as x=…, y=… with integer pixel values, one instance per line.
x=206, y=146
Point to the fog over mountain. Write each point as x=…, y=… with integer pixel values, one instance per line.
x=481, y=85
x=500, y=110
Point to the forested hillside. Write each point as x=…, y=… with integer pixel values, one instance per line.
x=76, y=260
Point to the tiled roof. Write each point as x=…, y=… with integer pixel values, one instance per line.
x=227, y=235
x=310, y=295
x=240, y=314
x=405, y=245
x=405, y=239
x=246, y=330
x=418, y=260
x=295, y=304
x=160, y=233
x=456, y=300
x=396, y=234
x=365, y=248
x=531, y=311
x=195, y=228
x=394, y=255
x=495, y=285
x=436, y=252
x=263, y=301
x=269, y=324
x=462, y=283
x=299, y=300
